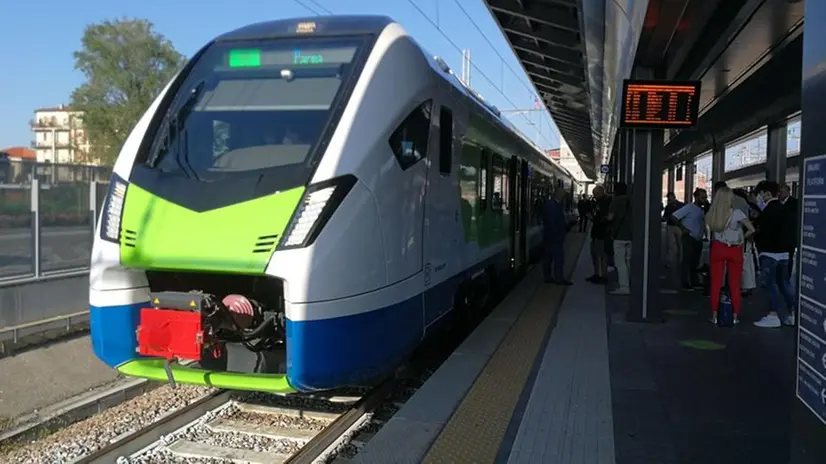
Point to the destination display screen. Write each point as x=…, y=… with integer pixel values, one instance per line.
x=660, y=104
x=309, y=55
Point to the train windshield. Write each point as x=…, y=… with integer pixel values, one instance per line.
x=259, y=106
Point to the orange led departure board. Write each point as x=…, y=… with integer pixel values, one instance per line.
x=660, y=104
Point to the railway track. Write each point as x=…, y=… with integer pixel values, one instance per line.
x=256, y=428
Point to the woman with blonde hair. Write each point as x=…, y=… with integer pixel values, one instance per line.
x=726, y=224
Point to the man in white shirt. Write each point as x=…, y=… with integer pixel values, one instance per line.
x=691, y=219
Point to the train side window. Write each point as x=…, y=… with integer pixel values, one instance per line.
x=445, y=140
x=498, y=171
x=409, y=140
x=483, y=180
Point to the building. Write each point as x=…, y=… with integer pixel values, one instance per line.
x=18, y=154
x=59, y=136
x=15, y=165
x=565, y=158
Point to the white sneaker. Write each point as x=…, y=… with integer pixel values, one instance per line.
x=789, y=320
x=769, y=321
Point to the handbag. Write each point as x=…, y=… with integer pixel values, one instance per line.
x=749, y=276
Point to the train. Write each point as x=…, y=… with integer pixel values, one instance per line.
x=352, y=193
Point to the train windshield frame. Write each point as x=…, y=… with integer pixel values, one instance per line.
x=258, y=107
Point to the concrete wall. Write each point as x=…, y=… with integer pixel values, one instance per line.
x=44, y=298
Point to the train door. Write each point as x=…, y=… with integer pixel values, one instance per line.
x=515, y=204
x=443, y=250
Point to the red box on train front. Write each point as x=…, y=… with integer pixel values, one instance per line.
x=169, y=333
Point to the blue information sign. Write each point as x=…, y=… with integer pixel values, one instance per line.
x=812, y=273
x=814, y=176
x=814, y=222
x=811, y=332
x=813, y=318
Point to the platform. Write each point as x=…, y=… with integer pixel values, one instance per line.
x=557, y=375
x=41, y=377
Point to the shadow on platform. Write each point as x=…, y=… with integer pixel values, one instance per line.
x=686, y=391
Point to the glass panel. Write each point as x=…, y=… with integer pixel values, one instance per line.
x=679, y=182
x=793, y=139
x=702, y=174
x=252, y=107
x=747, y=152
x=16, y=239
x=66, y=237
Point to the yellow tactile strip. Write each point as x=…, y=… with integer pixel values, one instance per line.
x=477, y=427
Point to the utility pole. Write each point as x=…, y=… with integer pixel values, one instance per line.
x=466, y=67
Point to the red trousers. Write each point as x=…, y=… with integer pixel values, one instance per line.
x=722, y=256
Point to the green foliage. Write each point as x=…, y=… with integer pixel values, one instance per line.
x=126, y=64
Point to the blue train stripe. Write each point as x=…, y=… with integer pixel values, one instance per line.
x=327, y=353
x=321, y=354
x=113, y=329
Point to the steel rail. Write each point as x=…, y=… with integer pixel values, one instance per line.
x=140, y=439
x=324, y=439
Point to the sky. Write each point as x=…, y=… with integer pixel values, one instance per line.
x=40, y=37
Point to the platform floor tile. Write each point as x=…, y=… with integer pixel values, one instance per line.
x=410, y=432
x=568, y=417
x=477, y=428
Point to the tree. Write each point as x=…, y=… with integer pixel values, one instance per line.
x=126, y=64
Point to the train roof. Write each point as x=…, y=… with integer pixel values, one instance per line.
x=321, y=26
x=491, y=111
x=339, y=25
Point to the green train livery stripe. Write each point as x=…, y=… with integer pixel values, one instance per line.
x=153, y=369
x=240, y=238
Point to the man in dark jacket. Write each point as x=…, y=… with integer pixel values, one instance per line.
x=599, y=235
x=584, y=209
x=790, y=202
x=554, y=229
x=774, y=241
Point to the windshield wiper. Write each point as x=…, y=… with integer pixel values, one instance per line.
x=173, y=124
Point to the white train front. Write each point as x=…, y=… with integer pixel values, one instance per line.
x=302, y=205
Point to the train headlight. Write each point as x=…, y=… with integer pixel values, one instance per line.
x=319, y=202
x=113, y=210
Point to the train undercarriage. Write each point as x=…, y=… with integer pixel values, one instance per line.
x=226, y=323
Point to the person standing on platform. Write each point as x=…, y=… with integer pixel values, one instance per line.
x=599, y=234
x=726, y=223
x=749, y=278
x=554, y=229
x=790, y=202
x=673, y=240
x=774, y=241
x=620, y=220
x=584, y=209
x=691, y=220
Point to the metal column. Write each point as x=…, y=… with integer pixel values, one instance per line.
x=37, y=234
x=671, y=179
x=776, y=153
x=645, y=256
x=629, y=159
x=808, y=432
x=718, y=165
x=619, y=156
x=688, y=179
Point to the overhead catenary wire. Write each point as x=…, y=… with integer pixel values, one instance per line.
x=304, y=5
x=502, y=61
x=322, y=7
x=476, y=67
x=459, y=49
x=493, y=47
